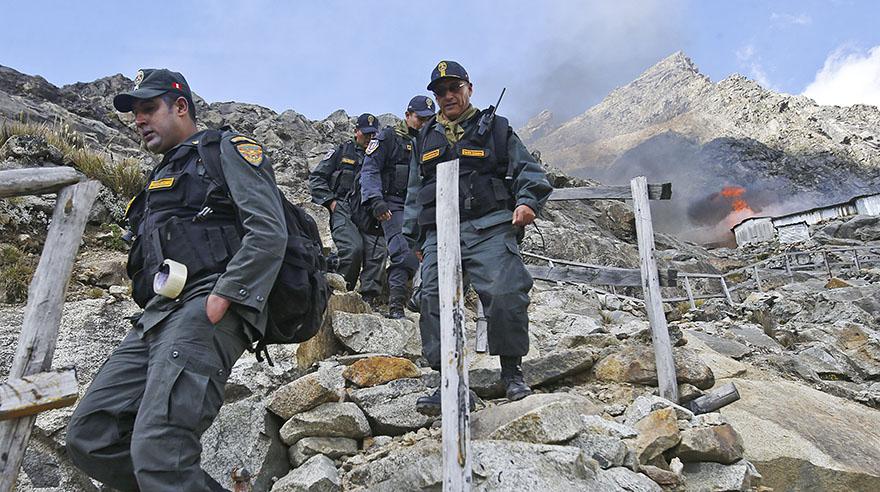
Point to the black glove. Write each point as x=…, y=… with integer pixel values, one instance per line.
x=379, y=207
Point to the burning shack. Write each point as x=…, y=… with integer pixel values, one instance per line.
x=794, y=227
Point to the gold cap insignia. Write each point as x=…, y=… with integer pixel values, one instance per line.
x=428, y=102
x=138, y=79
x=442, y=68
x=370, y=119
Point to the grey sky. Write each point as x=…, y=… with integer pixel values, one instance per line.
x=315, y=57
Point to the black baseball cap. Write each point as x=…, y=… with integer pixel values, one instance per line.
x=367, y=123
x=422, y=106
x=152, y=82
x=447, y=69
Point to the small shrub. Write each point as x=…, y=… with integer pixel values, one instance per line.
x=114, y=239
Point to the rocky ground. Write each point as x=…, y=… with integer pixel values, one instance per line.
x=337, y=412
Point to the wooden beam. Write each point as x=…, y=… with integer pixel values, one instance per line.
x=33, y=394
x=666, y=376
x=481, y=344
x=726, y=291
x=37, y=180
x=42, y=315
x=454, y=392
x=610, y=192
x=595, y=275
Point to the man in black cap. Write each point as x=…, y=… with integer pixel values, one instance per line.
x=217, y=245
x=384, y=179
x=331, y=184
x=502, y=188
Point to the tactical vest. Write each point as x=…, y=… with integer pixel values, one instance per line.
x=348, y=161
x=183, y=216
x=482, y=161
x=395, y=171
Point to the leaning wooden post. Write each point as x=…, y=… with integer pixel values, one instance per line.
x=757, y=278
x=827, y=266
x=690, y=293
x=726, y=291
x=651, y=287
x=454, y=381
x=856, y=261
x=787, y=266
x=42, y=315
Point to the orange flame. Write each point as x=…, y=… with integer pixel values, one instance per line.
x=736, y=192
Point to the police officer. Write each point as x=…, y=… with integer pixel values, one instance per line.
x=331, y=184
x=384, y=180
x=138, y=425
x=502, y=188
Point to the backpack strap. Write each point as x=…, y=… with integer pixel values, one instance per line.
x=209, y=151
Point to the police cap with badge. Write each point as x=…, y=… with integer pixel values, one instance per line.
x=367, y=123
x=422, y=106
x=447, y=69
x=152, y=82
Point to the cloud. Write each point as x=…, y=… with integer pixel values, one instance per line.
x=751, y=61
x=791, y=19
x=847, y=77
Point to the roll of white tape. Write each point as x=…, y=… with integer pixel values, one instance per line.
x=170, y=279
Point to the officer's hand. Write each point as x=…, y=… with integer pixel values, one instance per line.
x=215, y=308
x=380, y=210
x=419, y=255
x=332, y=206
x=523, y=216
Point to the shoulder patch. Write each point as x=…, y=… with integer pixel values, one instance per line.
x=329, y=154
x=251, y=152
x=374, y=144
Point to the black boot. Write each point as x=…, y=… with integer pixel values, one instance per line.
x=512, y=378
x=395, y=308
x=430, y=404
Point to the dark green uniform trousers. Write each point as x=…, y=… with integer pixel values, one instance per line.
x=492, y=265
x=403, y=263
x=138, y=426
x=358, y=251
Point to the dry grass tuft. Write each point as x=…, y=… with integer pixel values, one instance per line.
x=123, y=177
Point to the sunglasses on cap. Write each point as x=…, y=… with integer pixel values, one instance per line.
x=453, y=87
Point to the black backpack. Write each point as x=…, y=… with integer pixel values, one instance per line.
x=299, y=297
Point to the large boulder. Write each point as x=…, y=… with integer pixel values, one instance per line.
x=324, y=344
x=800, y=438
x=538, y=371
x=540, y=418
x=719, y=443
x=658, y=431
x=636, y=364
x=331, y=447
x=328, y=420
x=373, y=333
x=373, y=371
x=738, y=477
x=497, y=465
x=324, y=385
x=391, y=408
x=245, y=435
x=318, y=474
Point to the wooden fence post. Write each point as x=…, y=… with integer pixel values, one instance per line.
x=757, y=278
x=42, y=315
x=856, y=261
x=482, y=333
x=787, y=265
x=726, y=291
x=827, y=267
x=454, y=383
x=690, y=293
x=651, y=287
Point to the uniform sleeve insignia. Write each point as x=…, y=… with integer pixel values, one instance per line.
x=251, y=152
x=374, y=144
x=329, y=154
x=427, y=156
x=346, y=160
